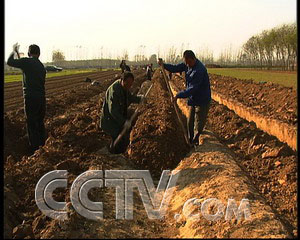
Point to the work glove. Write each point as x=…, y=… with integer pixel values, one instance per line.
x=16, y=47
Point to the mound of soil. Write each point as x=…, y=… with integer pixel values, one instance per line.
x=270, y=99
x=66, y=128
x=73, y=144
x=271, y=164
x=157, y=143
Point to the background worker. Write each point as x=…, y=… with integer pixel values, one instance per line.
x=114, y=111
x=197, y=91
x=124, y=67
x=149, y=71
x=34, y=75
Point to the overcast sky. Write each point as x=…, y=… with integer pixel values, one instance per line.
x=112, y=26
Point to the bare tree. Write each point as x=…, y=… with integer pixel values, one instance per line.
x=171, y=55
x=205, y=55
x=125, y=55
x=58, y=56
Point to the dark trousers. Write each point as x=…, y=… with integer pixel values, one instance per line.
x=148, y=76
x=196, y=121
x=121, y=146
x=35, y=109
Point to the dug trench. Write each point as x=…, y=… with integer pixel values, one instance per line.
x=270, y=164
x=156, y=144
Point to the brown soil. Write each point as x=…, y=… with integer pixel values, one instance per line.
x=270, y=99
x=57, y=100
x=155, y=135
x=75, y=138
x=67, y=127
x=271, y=164
x=274, y=176
x=54, y=86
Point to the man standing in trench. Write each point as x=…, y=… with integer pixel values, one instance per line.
x=197, y=91
x=114, y=111
x=34, y=75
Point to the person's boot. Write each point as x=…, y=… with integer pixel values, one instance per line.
x=33, y=149
x=30, y=151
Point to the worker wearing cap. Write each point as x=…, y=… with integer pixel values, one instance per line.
x=197, y=91
x=34, y=75
x=114, y=111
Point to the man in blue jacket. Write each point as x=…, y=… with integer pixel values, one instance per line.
x=197, y=91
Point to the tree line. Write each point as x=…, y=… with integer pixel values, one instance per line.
x=58, y=58
x=273, y=48
x=276, y=47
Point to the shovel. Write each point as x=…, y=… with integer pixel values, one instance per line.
x=133, y=116
x=166, y=78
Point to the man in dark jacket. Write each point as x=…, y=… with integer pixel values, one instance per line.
x=124, y=67
x=34, y=75
x=197, y=91
x=149, y=71
x=114, y=111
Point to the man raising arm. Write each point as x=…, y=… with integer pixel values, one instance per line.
x=34, y=75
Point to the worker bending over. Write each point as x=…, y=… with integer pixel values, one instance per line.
x=114, y=111
x=197, y=91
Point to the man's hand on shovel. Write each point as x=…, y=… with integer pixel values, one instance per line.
x=174, y=99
